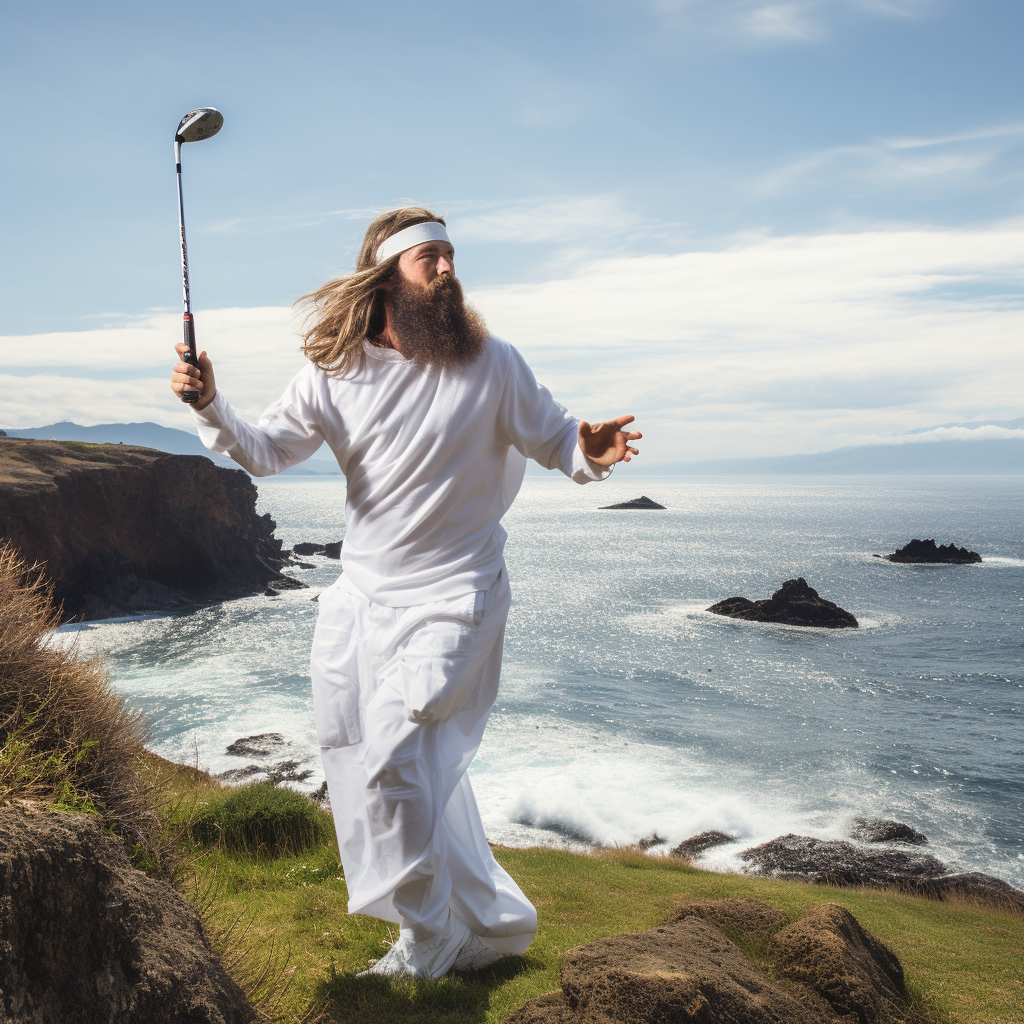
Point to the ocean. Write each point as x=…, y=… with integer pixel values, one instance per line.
x=628, y=709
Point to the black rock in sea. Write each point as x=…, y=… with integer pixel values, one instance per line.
x=793, y=604
x=884, y=830
x=697, y=844
x=642, y=502
x=927, y=552
x=837, y=862
x=262, y=745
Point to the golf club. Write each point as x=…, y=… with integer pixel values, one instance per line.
x=198, y=124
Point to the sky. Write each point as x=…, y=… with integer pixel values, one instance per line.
x=762, y=227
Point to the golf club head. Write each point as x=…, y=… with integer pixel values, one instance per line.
x=199, y=124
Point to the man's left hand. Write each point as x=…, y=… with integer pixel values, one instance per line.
x=608, y=442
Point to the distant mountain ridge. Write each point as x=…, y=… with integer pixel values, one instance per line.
x=162, y=439
x=984, y=457
x=937, y=458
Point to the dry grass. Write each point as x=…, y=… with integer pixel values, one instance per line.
x=66, y=739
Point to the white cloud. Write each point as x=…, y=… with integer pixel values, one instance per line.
x=986, y=433
x=768, y=345
x=564, y=220
x=255, y=350
x=955, y=159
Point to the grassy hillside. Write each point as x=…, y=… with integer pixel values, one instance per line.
x=962, y=960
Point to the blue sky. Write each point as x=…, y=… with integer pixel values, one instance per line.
x=762, y=227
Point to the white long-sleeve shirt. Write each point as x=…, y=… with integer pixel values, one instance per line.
x=433, y=459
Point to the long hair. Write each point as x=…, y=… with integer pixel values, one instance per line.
x=342, y=312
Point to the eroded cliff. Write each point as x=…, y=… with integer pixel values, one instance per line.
x=122, y=529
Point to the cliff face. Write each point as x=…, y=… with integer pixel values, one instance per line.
x=123, y=529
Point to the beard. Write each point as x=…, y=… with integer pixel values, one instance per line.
x=434, y=325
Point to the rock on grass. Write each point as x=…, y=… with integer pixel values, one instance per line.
x=86, y=937
x=690, y=969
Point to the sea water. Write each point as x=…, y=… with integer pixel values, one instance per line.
x=626, y=708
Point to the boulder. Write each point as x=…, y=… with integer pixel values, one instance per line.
x=85, y=937
x=697, y=844
x=973, y=885
x=926, y=551
x=122, y=530
x=333, y=550
x=856, y=973
x=749, y=920
x=837, y=862
x=261, y=745
x=691, y=969
x=885, y=830
x=306, y=548
x=642, y=502
x=793, y=604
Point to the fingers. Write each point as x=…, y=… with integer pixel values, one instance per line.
x=621, y=421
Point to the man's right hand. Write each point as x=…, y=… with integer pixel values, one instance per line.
x=185, y=378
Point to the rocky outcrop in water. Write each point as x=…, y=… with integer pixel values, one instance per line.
x=262, y=748
x=85, y=937
x=122, y=530
x=691, y=969
x=642, y=502
x=696, y=845
x=305, y=547
x=885, y=830
x=793, y=604
x=837, y=862
x=926, y=551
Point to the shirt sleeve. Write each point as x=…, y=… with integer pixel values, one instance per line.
x=540, y=428
x=287, y=433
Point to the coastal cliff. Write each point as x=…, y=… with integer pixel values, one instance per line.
x=120, y=529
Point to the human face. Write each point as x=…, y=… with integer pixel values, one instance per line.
x=424, y=263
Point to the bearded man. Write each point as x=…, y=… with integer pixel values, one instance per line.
x=431, y=420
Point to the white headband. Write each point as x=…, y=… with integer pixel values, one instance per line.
x=431, y=231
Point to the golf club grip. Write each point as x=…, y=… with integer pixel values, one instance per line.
x=190, y=356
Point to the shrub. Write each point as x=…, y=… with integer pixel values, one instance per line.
x=66, y=739
x=261, y=818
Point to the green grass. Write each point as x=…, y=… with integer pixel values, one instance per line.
x=260, y=818
x=962, y=961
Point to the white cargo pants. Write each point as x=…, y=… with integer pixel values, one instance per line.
x=401, y=697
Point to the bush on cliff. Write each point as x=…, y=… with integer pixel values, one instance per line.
x=66, y=739
x=261, y=818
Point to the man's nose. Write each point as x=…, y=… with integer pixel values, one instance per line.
x=445, y=265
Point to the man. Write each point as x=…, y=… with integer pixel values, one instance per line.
x=431, y=420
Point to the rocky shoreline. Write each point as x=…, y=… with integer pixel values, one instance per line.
x=875, y=856
x=878, y=853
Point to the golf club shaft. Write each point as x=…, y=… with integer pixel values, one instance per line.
x=191, y=356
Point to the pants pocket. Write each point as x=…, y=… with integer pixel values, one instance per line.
x=334, y=668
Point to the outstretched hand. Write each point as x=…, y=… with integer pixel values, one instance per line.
x=607, y=443
x=192, y=378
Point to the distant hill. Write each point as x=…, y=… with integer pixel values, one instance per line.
x=163, y=439
x=1003, y=457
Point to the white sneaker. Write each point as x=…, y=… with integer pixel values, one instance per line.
x=476, y=954
x=432, y=958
